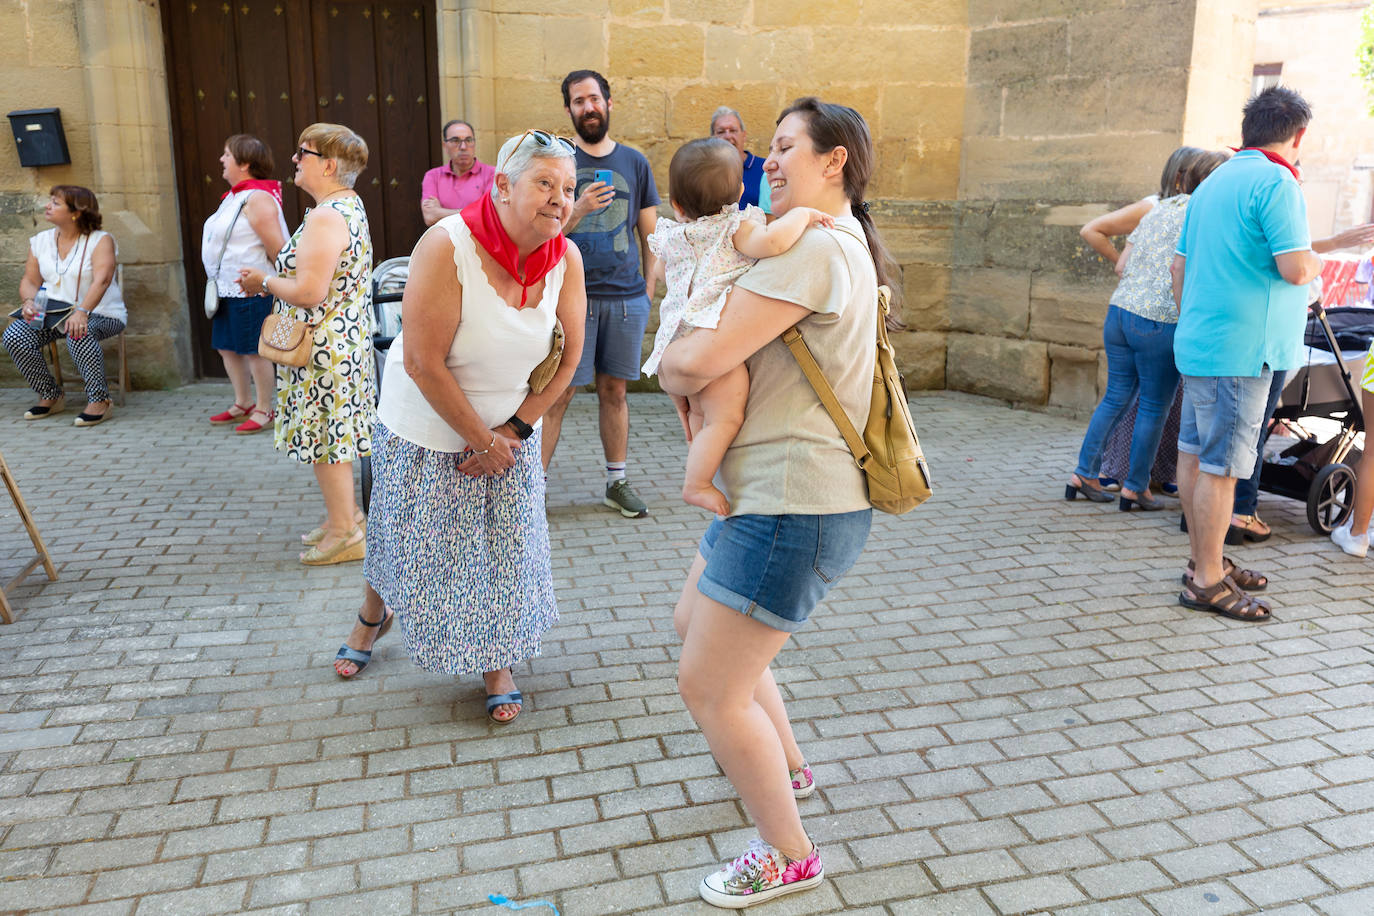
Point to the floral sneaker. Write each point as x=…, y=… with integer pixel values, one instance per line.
x=803, y=784
x=760, y=875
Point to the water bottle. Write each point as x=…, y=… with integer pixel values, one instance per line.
x=40, y=306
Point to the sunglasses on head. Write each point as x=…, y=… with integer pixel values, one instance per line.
x=542, y=137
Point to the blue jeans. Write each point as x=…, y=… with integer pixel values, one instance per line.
x=1247, y=489
x=1140, y=356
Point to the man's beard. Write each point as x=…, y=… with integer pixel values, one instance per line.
x=593, y=135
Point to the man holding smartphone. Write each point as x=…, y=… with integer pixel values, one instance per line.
x=616, y=197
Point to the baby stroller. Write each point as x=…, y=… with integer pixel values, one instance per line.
x=388, y=287
x=1320, y=472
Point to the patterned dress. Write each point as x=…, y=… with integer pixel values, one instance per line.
x=701, y=263
x=325, y=409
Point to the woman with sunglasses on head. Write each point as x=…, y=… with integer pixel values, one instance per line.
x=73, y=264
x=457, y=540
x=799, y=509
x=323, y=277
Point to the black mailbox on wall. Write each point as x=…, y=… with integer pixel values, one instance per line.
x=38, y=137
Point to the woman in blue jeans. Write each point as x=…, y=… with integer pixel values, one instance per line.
x=1139, y=336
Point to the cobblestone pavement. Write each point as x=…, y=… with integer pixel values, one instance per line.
x=1006, y=710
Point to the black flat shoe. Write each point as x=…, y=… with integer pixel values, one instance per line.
x=1095, y=494
x=40, y=412
x=1143, y=504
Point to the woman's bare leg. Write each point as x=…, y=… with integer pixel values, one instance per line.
x=724, y=657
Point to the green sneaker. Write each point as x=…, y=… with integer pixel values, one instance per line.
x=623, y=499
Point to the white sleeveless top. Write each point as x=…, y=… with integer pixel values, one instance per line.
x=62, y=275
x=244, y=249
x=493, y=352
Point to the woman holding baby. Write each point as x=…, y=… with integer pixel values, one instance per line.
x=799, y=513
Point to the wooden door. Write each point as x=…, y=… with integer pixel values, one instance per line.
x=272, y=67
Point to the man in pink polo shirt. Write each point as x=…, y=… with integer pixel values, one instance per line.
x=449, y=188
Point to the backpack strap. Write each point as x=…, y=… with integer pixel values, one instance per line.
x=812, y=370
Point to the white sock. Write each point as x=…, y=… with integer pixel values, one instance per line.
x=615, y=470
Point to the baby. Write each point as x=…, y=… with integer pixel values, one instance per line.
x=702, y=253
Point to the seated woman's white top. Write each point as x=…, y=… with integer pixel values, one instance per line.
x=492, y=354
x=245, y=248
x=69, y=279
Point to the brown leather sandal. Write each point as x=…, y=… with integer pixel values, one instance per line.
x=1248, y=579
x=1227, y=599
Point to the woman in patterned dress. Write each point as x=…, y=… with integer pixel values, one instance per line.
x=457, y=539
x=324, y=277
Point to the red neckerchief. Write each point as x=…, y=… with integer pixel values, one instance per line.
x=270, y=185
x=485, y=224
x=1272, y=157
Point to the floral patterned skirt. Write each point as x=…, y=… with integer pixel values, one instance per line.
x=462, y=561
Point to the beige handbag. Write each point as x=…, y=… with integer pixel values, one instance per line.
x=548, y=367
x=286, y=341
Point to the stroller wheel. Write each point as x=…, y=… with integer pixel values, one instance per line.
x=1330, y=498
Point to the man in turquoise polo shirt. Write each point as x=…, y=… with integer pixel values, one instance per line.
x=1243, y=261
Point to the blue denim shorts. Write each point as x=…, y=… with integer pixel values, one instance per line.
x=777, y=568
x=614, y=344
x=1221, y=421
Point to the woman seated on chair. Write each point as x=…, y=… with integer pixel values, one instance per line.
x=74, y=264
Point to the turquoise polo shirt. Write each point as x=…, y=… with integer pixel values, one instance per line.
x=1238, y=313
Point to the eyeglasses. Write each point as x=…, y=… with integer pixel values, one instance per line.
x=542, y=137
x=461, y=141
x=302, y=152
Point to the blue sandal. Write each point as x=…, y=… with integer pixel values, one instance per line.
x=357, y=656
x=501, y=699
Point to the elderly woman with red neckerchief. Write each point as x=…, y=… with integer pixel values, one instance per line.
x=457, y=539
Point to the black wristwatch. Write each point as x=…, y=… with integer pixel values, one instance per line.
x=522, y=429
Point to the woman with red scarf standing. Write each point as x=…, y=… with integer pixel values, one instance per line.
x=246, y=231
x=457, y=539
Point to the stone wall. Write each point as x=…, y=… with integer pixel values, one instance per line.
x=101, y=62
x=1060, y=126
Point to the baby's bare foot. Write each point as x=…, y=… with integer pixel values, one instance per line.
x=707, y=497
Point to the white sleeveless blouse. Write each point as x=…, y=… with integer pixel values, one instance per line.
x=69, y=279
x=244, y=249
x=493, y=352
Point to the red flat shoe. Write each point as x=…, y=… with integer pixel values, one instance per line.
x=250, y=426
x=224, y=419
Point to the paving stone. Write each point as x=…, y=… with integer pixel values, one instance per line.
x=998, y=726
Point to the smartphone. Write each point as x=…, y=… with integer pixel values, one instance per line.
x=606, y=175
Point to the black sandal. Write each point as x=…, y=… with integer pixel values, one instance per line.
x=1227, y=599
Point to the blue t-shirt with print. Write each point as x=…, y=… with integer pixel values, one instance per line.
x=756, y=192
x=606, y=237
x=1238, y=313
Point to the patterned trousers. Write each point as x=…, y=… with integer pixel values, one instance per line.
x=26, y=344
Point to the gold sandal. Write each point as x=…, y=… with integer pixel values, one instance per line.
x=317, y=534
x=346, y=551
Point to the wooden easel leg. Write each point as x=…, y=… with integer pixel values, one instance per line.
x=6, y=612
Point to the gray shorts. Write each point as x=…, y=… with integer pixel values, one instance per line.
x=614, y=344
